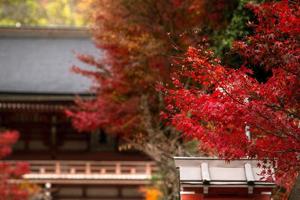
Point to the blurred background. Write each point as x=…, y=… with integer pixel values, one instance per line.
x=81, y=110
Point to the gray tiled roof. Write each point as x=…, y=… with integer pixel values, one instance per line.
x=31, y=64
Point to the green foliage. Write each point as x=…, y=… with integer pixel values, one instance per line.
x=192, y=146
x=44, y=13
x=14, y=11
x=236, y=29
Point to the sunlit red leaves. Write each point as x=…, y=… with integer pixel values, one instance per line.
x=215, y=103
x=276, y=42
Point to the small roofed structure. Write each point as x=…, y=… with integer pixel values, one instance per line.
x=204, y=178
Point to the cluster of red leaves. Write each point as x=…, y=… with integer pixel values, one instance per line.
x=10, y=172
x=215, y=103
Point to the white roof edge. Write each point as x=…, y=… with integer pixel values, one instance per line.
x=227, y=185
x=207, y=158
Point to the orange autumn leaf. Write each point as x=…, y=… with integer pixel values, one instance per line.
x=151, y=193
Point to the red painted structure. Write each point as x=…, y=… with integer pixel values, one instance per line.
x=223, y=197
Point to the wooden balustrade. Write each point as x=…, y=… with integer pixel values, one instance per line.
x=92, y=172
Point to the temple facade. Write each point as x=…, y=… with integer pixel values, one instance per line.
x=36, y=86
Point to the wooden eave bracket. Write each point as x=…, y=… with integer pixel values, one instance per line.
x=250, y=177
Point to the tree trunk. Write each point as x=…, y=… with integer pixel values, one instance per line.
x=295, y=194
x=161, y=144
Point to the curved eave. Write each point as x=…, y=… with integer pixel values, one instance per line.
x=45, y=32
x=42, y=97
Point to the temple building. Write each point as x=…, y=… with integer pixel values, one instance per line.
x=36, y=85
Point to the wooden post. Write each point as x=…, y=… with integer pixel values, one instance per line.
x=118, y=168
x=42, y=170
x=88, y=168
x=148, y=169
x=132, y=170
x=73, y=170
x=103, y=171
x=57, y=168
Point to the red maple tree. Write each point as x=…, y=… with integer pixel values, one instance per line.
x=138, y=39
x=9, y=172
x=232, y=113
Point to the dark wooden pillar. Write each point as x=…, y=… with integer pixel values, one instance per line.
x=53, y=136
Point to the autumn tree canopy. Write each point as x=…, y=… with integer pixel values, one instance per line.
x=234, y=115
x=139, y=39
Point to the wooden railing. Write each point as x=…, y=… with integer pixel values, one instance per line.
x=92, y=172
